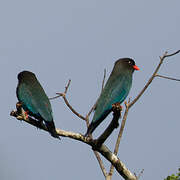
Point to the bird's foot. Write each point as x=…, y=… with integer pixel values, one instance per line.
x=20, y=111
x=26, y=115
x=117, y=107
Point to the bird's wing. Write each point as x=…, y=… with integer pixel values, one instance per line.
x=35, y=100
x=115, y=91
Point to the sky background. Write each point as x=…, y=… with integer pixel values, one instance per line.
x=61, y=40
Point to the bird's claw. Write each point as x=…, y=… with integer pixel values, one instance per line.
x=117, y=106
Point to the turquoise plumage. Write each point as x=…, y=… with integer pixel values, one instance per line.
x=34, y=100
x=116, y=90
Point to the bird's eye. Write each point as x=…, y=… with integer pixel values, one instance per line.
x=129, y=62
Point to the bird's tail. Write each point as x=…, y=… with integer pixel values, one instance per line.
x=51, y=128
x=96, y=123
x=91, y=128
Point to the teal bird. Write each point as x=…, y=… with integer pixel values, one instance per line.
x=116, y=90
x=34, y=100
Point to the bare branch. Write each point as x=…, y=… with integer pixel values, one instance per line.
x=168, y=55
x=97, y=154
x=66, y=87
x=92, y=109
x=100, y=163
x=70, y=107
x=87, y=124
x=65, y=91
x=148, y=83
x=166, y=77
x=153, y=76
x=63, y=95
x=122, y=128
x=55, y=97
x=119, y=136
x=118, y=164
x=29, y=120
x=94, y=106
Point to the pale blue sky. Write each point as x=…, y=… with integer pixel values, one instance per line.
x=59, y=40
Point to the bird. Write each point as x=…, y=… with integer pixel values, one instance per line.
x=116, y=90
x=34, y=100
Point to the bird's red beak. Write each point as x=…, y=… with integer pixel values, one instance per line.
x=136, y=68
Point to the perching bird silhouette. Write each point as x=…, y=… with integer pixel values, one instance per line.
x=116, y=90
x=34, y=100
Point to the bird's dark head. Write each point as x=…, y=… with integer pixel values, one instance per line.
x=127, y=63
x=25, y=74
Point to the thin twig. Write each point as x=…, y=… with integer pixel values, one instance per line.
x=87, y=124
x=55, y=97
x=101, y=164
x=168, y=55
x=92, y=109
x=119, y=137
x=122, y=127
x=97, y=154
x=66, y=87
x=63, y=95
x=70, y=107
x=166, y=77
x=94, y=106
x=65, y=91
x=153, y=75
x=149, y=81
